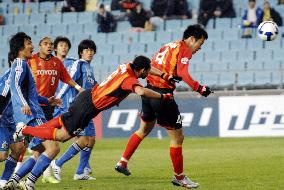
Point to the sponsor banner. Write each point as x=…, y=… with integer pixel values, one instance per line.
x=251, y=116
x=200, y=118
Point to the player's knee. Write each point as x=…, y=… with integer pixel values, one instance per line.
x=180, y=139
x=91, y=141
x=17, y=151
x=3, y=156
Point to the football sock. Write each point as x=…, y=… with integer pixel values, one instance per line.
x=70, y=153
x=177, y=160
x=84, y=159
x=25, y=168
x=10, y=165
x=41, y=164
x=131, y=146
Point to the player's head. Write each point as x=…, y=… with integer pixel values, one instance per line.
x=87, y=49
x=62, y=45
x=46, y=46
x=141, y=65
x=20, y=46
x=251, y=3
x=194, y=36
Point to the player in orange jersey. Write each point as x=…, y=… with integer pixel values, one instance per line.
x=91, y=102
x=173, y=58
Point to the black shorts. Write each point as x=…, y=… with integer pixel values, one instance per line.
x=80, y=113
x=166, y=112
x=48, y=112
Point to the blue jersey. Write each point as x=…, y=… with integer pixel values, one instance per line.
x=81, y=73
x=4, y=90
x=23, y=92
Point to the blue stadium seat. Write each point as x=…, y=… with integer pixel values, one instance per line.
x=163, y=36
x=47, y=7
x=4, y=8
x=210, y=24
x=246, y=55
x=37, y=18
x=114, y=38
x=177, y=35
x=273, y=65
x=212, y=56
x=146, y=37
x=236, y=22
x=75, y=28
x=99, y=38
x=69, y=18
x=28, y=29
x=220, y=66
x=201, y=66
x=78, y=38
x=222, y=45
x=209, y=78
x=228, y=56
x=104, y=49
x=215, y=34
x=123, y=26
x=276, y=44
x=120, y=48
x=21, y=19
x=90, y=28
x=85, y=17
x=236, y=65
x=112, y=61
x=126, y=58
x=58, y=29
x=254, y=65
x=54, y=18
x=198, y=57
x=146, y=4
x=43, y=30
x=16, y=8
x=278, y=54
x=153, y=47
x=223, y=23
x=263, y=78
x=158, y=23
x=172, y=25
x=31, y=7
x=254, y=43
x=3, y=43
x=9, y=19
x=9, y=30
x=130, y=37
x=226, y=78
x=186, y=22
x=137, y=48
x=245, y=78
x=73, y=52
x=264, y=55
x=277, y=77
x=238, y=44
x=231, y=34
x=59, y=5
x=208, y=45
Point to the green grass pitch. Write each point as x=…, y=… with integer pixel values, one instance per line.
x=216, y=163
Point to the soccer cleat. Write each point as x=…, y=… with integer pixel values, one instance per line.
x=18, y=135
x=185, y=182
x=83, y=177
x=119, y=168
x=49, y=179
x=56, y=170
x=24, y=186
x=2, y=183
x=10, y=185
x=88, y=170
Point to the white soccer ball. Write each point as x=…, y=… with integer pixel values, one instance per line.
x=267, y=30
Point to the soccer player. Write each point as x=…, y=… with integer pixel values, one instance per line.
x=48, y=70
x=172, y=58
x=24, y=98
x=91, y=102
x=81, y=72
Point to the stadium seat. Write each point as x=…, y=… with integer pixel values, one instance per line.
x=186, y=22
x=90, y=28
x=99, y=38
x=246, y=55
x=152, y=48
x=130, y=37
x=275, y=44
x=211, y=24
x=9, y=30
x=172, y=25
x=228, y=56
x=126, y=58
x=221, y=45
x=278, y=54
x=37, y=18
x=236, y=22
x=114, y=38
x=254, y=65
x=223, y=23
x=120, y=48
x=47, y=7
x=236, y=65
x=21, y=19
x=263, y=78
x=264, y=55
x=177, y=35
x=69, y=18
x=212, y=56
x=226, y=78
x=28, y=29
x=273, y=65
x=245, y=78
x=112, y=61
x=215, y=34
x=198, y=57
x=158, y=23
x=54, y=18
x=58, y=29
x=31, y=7
x=146, y=4
x=123, y=26
x=238, y=44
x=9, y=19
x=43, y=30
x=147, y=37
x=220, y=66
x=209, y=78
x=85, y=17
x=201, y=66
x=254, y=44
x=73, y=52
x=277, y=77
x=59, y=5
x=163, y=36
x=137, y=48
x=3, y=43
x=231, y=34
x=78, y=38
x=75, y=28
x=16, y=8
x=105, y=49
x=208, y=45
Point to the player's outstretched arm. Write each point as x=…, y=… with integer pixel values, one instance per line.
x=141, y=91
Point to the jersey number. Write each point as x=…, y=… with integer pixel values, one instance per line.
x=52, y=80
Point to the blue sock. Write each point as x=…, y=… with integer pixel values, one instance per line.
x=10, y=165
x=24, y=169
x=84, y=159
x=70, y=153
x=41, y=164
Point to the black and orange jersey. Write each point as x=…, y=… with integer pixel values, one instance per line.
x=173, y=58
x=47, y=74
x=115, y=88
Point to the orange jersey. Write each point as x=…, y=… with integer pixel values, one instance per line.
x=173, y=58
x=47, y=74
x=115, y=88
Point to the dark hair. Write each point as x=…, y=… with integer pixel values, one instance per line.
x=17, y=43
x=86, y=44
x=251, y=1
x=61, y=39
x=141, y=62
x=196, y=31
x=102, y=6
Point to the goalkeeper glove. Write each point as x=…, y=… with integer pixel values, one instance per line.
x=204, y=90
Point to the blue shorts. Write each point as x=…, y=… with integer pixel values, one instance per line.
x=7, y=129
x=89, y=131
x=36, y=141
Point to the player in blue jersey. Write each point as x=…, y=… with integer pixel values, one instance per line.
x=26, y=108
x=81, y=72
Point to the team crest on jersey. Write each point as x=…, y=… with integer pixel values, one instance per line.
x=19, y=69
x=184, y=60
x=4, y=145
x=54, y=64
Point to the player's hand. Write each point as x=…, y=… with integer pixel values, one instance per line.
x=174, y=78
x=167, y=96
x=204, y=90
x=81, y=90
x=54, y=101
x=26, y=110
